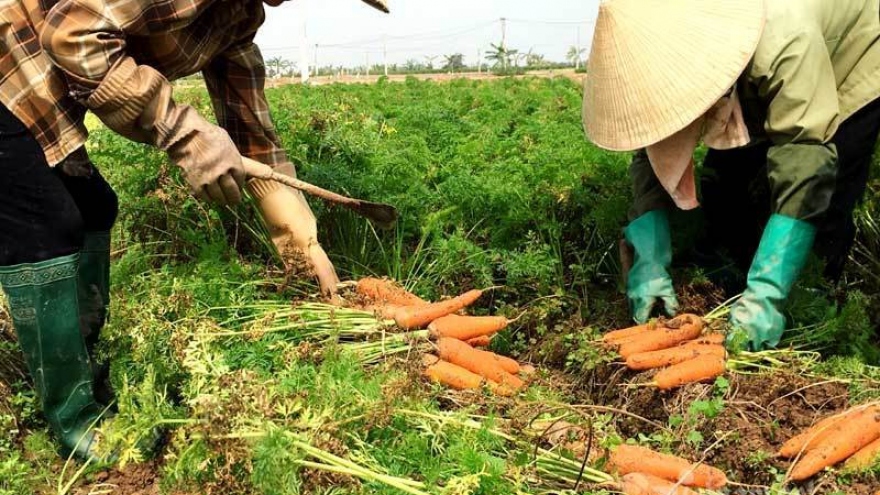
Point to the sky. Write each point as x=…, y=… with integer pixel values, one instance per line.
x=349, y=32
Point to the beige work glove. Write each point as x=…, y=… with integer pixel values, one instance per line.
x=210, y=161
x=293, y=227
x=136, y=101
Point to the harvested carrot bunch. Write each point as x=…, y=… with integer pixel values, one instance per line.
x=852, y=436
x=677, y=347
x=629, y=459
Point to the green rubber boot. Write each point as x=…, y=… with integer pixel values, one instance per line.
x=756, y=318
x=43, y=303
x=93, y=283
x=648, y=282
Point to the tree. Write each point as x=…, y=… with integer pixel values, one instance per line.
x=454, y=62
x=575, y=55
x=534, y=59
x=278, y=67
x=413, y=65
x=429, y=59
x=501, y=55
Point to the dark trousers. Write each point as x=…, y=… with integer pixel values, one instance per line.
x=45, y=211
x=736, y=192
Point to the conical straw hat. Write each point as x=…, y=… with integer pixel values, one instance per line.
x=658, y=65
x=379, y=4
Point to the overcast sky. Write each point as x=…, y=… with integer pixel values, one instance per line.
x=347, y=32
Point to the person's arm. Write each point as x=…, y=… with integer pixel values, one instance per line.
x=799, y=86
x=236, y=83
x=648, y=193
x=86, y=39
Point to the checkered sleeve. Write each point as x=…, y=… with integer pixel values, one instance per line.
x=86, y=40
x=236, y=82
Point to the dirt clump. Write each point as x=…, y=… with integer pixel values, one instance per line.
x=135, y=479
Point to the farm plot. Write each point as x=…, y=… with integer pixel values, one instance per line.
x=258, y=387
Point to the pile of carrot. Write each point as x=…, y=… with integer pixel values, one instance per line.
x=676, y=346
x=852, y=436
x=644, y=471
x=459, y=364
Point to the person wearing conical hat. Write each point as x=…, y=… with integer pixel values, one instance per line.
x=60, y=58
x=784, y=93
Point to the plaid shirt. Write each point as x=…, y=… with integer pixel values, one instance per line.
x=88, y=38
x=31, y=87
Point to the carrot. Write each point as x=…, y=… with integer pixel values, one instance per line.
x=847, y=438
x=865, y=458
x=479, y=362
x=652, y=485
x=409, y=317
x=815, y=434
x=467, y=327
x=386, y=311
x=688, y=327
x=635, y=484
x=675, y=355
x=627, y=332
x=385, y=291
x=708, y=339
x=481, y=341
x=699, y=369
x=509, y=365
x=449, y=374
x=626, y=459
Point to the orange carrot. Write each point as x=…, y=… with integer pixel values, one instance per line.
x=467, y=327
x=635, y=484
x=409, y=317
x=449, y=374
x=509, y=365
x=689, y=328
x=458, y=352
x=626, y=459
x=386, y=311
x=385, y=291
x=675, y=355
x=627, y=332
x=481, y=341
x=695, y=370
x=847, y=438
x=815, y=434
x=865, y=458
x=652, y=485
x=708, y=339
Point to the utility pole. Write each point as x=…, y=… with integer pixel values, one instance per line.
x=385, y=54
x=479, y=61
x=316, y=59
x=503, y=43
x=303, y=54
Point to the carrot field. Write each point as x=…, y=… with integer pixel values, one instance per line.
x=258, y=386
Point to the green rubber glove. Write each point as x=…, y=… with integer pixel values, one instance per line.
x=648, y=282
x=756, y=318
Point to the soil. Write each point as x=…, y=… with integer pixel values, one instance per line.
x=760, y=413
x=136, y=479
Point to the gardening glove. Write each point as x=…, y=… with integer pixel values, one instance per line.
x=756, y=319
x=210, y=161
x=293, y=227
x=136, y=102
x=648, y=282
